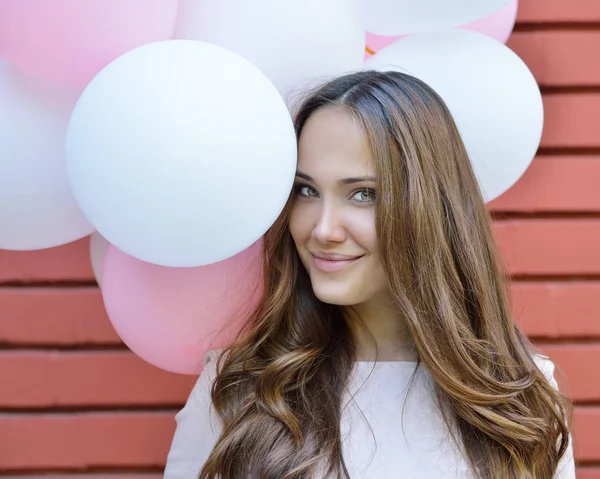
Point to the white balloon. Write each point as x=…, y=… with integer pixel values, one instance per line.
x=37, y=208
x=181, y=153
x=293, y=42
x=396, y=17
x=494, y=99
x=98, y=246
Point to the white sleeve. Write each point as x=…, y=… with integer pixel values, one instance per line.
x=198, y=427
x=566, y=466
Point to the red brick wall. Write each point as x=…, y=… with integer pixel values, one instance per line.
x=74, y=401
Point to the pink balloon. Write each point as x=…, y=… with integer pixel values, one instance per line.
x=377, y=42
x=70, y=41
x=170, y=317
x=498, y=25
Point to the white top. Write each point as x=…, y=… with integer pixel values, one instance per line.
x=411, y=442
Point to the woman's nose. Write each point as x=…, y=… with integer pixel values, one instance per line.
x=329, y=227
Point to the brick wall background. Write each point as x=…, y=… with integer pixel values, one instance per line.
x=75, y=403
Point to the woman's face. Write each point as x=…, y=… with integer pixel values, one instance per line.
x=333, y=215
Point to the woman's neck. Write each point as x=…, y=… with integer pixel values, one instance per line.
x=386, y=337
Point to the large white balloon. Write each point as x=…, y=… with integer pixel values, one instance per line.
x=37, y=209
x=293, y=42
x=493, y=97
x=181, y=153
x=396, y=17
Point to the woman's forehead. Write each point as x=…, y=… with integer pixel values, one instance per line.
x=333, y=144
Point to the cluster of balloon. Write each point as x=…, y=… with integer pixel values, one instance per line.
x=161, y=129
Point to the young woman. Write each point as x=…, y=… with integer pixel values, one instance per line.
x=384, y=346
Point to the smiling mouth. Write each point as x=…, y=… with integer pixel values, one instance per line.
x=333, y=263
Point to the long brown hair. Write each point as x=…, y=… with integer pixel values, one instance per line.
x=280, y=385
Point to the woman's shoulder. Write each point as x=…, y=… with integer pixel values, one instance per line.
x=211, y=357
x=208, y=373
x=198, y=425
x=566, y=466
x=546, y=367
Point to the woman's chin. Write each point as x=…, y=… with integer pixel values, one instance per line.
x=336, y=295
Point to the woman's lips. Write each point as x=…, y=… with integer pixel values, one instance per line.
x=330, y=263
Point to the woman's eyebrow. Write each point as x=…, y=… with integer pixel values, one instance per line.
x=360, y=179
x=304, y=176
x=346, y=181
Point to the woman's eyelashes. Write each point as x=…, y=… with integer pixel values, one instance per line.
x=305, y=191
x=362, y=195
x=366, y=195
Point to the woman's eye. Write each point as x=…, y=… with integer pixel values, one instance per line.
x=364, y=196
x=306, y=191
